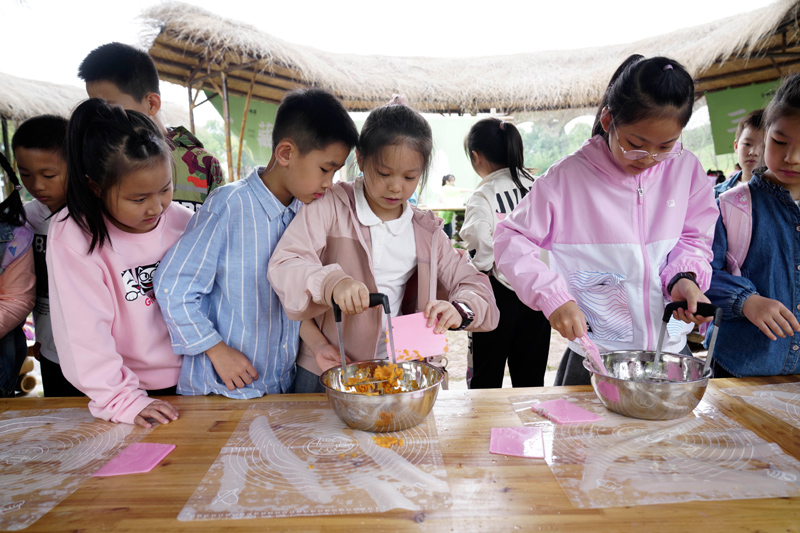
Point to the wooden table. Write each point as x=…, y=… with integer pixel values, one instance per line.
x=489, y=492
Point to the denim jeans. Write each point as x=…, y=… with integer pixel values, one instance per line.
x=306, y=382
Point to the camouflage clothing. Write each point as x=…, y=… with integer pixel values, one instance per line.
x=197, y=172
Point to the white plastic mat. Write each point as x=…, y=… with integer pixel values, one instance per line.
x=781, y=401
x=621, y=461
x=298, y=458
x=45, y=455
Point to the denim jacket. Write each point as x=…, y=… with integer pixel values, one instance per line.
x=772, y=270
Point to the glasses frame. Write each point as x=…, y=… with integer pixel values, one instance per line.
x=636, y=155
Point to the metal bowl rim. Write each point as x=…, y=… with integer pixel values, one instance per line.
x=587, y=365
x=425, y=363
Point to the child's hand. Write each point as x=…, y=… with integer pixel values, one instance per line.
x=159, y=410
x=351, y=296
x=569, y=321
x=444, y=312
x=687, y=290
x=770, y=316
x=327, y=357
x=232, y=366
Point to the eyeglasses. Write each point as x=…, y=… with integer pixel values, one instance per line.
x=635, y=155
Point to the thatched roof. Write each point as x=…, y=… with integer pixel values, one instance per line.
x=191, y=45
x=21, y=99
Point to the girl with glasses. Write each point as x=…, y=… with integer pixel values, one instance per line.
x=628, y=220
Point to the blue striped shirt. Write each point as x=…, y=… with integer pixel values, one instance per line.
x=212, y=286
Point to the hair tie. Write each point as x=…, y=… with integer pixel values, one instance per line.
x=17, y=187
x=503, y=125
x=667, y=67
x=398, y=99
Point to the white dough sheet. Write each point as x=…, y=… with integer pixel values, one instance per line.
x=299, y=459
x=45, y=455
x=621, y=461
x=781, y=401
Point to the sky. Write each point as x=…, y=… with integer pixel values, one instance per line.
x=47, y=39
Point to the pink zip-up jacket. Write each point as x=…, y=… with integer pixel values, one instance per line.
x=112, y=341
x=325, y=243
x=615, y=242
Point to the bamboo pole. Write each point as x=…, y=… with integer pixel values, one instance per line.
x=227, y=117
x=244, y=121
x=191, y=110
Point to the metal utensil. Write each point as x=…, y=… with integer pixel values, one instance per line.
x=703, y=309
x=375, y=299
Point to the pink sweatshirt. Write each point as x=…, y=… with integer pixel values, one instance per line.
x=615, y=242
x=111, y=339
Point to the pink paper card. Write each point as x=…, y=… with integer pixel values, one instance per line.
x=517, y=441
x=138, y=458
x=413, y=339
x=565, y=412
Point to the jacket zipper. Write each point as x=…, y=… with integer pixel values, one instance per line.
x=645, y=263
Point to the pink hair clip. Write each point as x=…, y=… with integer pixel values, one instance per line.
x=503, y=125
x=398, y=99
x=667, y=67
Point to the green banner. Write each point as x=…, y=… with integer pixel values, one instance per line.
x=726, y=108
x=257, y=130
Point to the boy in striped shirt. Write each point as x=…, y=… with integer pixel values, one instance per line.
x=212, y=285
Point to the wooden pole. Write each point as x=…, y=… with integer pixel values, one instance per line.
x=244, y=121
x=227, y=119
x=191, y=110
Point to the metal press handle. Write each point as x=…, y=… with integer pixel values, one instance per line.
x=375, y=299
x=703, y=309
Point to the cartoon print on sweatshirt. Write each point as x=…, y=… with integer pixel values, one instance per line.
x=139, y=280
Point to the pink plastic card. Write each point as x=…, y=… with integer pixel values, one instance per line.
x=609, y=391
x=413, y=339
x=138, y=458
x=517, y=441
x=564, y=412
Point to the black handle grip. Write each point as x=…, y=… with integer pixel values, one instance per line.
x=703, y=309
x=375, y=299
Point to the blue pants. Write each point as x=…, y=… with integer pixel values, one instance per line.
x=13, y=349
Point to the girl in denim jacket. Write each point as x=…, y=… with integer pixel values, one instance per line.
x=759, y=331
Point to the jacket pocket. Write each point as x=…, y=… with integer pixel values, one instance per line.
x=602, y=298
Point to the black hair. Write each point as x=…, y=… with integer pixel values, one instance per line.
x=11, y=210
x=392, y=125
x=446, y=178
x=45, y=132
x=313, y=119
x=130, y=69
x=104, y=143
x=786, y=101
x=647, y=88
x=501, y=144
x=754, y=120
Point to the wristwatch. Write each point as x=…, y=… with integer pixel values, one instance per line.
x=467, y=315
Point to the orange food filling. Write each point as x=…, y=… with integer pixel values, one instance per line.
x=387, y=441
x=387, y=380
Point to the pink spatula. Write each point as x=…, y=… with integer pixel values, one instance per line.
x=593, y=354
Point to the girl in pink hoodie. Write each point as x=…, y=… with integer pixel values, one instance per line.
x=365, y=237
x=628, y=221
x=112, y=342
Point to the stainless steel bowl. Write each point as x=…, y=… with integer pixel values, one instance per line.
x=389, y=412
x=634, y=388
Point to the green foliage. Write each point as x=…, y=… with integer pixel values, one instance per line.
x=212, y=135
x=542, y=148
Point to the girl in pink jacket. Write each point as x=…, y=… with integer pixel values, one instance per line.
x=365, y=237
x=628, y=220
x=112, y=342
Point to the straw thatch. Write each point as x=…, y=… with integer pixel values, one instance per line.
x=21, y=99
x=192, y=46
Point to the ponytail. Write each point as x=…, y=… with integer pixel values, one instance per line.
x=501, y=144
x=11, y=210
x=104, y=143
x=646, y=88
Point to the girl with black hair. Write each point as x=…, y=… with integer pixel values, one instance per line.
x=494, y=148
x=628, y=221
x=17, y=283
x=103, y=249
